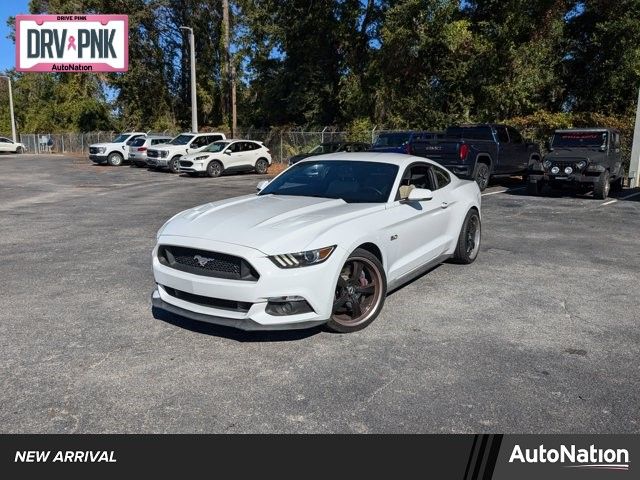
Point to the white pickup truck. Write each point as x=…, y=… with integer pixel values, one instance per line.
x=115, y=151
x=168, y=155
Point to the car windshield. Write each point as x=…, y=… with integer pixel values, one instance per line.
x=138, y=142
x=216, y=147
x=181, y=140
x=121, y=138
x=579, y=139
x=353, y=182
x=392, y=139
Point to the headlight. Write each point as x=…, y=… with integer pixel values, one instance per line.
x=546, y=164
x=555, y=170
x=581, y=164
x=102, y=149
x=302, y=259
x=163, y=153
x=568, y=170
x=201, y=157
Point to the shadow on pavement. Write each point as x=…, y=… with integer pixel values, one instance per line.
x=233, y=333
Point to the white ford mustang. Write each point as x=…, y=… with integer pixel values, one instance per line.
x=322, y=243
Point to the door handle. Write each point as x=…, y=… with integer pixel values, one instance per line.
x=444, y=205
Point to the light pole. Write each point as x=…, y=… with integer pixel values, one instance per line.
x=13, y=120
x=194, y=101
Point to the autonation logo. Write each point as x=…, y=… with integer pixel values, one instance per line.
x=592, y=457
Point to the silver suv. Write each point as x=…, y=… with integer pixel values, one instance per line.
x=138, y=148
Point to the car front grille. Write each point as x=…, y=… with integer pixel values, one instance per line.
x=153, y=153
x=93, y=150
x=210, y=264
x=211, y=302
x=186, y=163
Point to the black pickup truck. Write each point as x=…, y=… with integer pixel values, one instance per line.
x=479, y=151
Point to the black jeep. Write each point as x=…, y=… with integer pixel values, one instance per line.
x=588, y=158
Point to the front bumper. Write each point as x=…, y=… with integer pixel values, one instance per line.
x=157, y=161
x=561, y=177
x=316, y=284
x=189, y=166
x=98, y=158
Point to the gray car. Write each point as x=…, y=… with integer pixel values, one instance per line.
x=138, y=148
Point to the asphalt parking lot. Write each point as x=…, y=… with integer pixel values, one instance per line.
x=540, y=334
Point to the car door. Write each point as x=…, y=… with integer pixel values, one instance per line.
x=196, y=145
x=417, y=229
x=615, y=161
x=505, y=151
x=6, y=145
x=520, y=150
x=234, y=155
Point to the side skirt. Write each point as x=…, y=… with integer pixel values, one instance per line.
x=416, y=272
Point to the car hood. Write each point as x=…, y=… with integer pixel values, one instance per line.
x=592, y=154
x=192, y=156
x=98, y=145
x=269, y=223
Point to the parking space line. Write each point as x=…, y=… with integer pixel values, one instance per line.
x=608, y=203
x=630, y=196
x=503, y=191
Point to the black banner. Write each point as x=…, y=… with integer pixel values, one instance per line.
x=460, y=457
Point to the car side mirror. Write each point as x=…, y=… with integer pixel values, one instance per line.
x=603, y=148
x=419, y=195
x=227, y=152
x=261, y=185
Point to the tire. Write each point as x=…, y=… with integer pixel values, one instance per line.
x=115, y=159
x=618, y=184
x=214, y=169
x=174, y=164
x=534, y=189
x=482, y=174
x=469, y=240
x=358, y=302
x=602, y=186
x=19, y=150
x=262, y=165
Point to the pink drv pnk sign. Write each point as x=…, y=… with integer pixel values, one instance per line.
x=72, y=43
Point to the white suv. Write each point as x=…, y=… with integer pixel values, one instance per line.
x=115, y=151
x=168, y=155
x=227, y=155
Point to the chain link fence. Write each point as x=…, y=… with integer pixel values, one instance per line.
x=283, y=143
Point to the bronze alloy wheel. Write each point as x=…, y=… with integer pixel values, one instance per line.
x=472, y=240
x=359, y=292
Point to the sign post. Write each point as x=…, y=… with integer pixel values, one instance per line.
x=634, y=166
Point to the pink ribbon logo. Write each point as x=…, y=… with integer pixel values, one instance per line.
x=72, y=43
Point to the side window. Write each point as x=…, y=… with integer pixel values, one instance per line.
x=442, y=177
x=209, y=139
x=415, y=176
x=502, y=135
x=234, y=147
x=252, y=146
x=514, y=135
x=4, y=140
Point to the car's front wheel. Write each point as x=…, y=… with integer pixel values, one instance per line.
x=114, y=159
x=19, y=150
x=174, y=164
x=214, y=169
x=602, y=186
x=360, y=293
x=469, y=240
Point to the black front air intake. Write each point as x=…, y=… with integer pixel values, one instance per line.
x=210, y=264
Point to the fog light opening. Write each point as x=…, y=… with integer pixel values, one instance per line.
x=284, y=306
x=568, y=170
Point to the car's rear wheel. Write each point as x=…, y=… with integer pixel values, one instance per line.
x=19, y=150
x=262, y=166
x=360, y=293
x=174, y=164
x=469, y=240
x=481, y=175
x=618, y=184
x=114, y=159
x=602, y=186
x=214, y=169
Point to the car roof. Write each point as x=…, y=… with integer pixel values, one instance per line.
x=591, y=129
x=400, y=159
x=240, y=140
x=159, y=136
